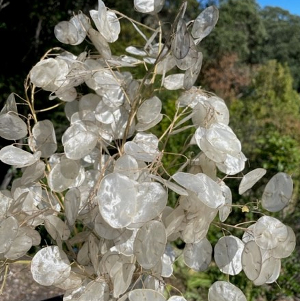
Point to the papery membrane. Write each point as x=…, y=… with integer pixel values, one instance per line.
x=50, y=266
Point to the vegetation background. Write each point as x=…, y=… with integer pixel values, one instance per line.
x=251, y=60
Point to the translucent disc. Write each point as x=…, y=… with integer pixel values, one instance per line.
x=148, y=6
x=16, y=156
x=145, y=295
x=8, y=231
x=151, y=200
x=269, y=232
x=285, y=248
x=205, y=23
x=269, y=270
x=197, y=256
x=228, y=252
x=225, y=291
x=117, y=199
x=12, y=127
x=251, y=260
x=43, y=138
x=96, y=290
x=250, y=179
x=208, y=191
x=150, y=243
x=278, y=192
x=50, y=266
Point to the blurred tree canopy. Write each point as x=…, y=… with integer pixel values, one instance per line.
x=283, y=39
x=240, y=30
x=267, y=120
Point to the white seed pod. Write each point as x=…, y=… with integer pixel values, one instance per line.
x=82, y=25
x=228, y=252
x=148, y=6
x=174, y=220
x=56, y=227
x=66, y=33
x=93, y=251
x=122, y=277
x=20, y=246
x=225, y=210
x=10, y=105
x=198, y=256
x=150, y=243
x=269, y=232
x=33, y=234
x=143, y=147
x=124, y=242
x=145, y=295
x=135, y=51
x=276, y=272
x=285, y=248
x=174, y=187
x=205, y=23
x=72, y=282
x=248, y=234
x=151, y=199
x=43, y=138
x=67, y=93
x=207, y=190
x=225, y=291
x=65, y=174
x=100, y=43
x=174, y=81
x=16, y=156
x=190, y=60
x=250, y=179
x=149, y=109
x=251, y=260
x=50, y=74
x=33, y=173
x=96, y=290
x=146, y=126
x=83, y=254
x=105, y=230
x=8, y=231
x=269, y=270
x=73, y=137
x=167, y=261
x=181, y=42
x=210, y=110
x=192, y=73
x=50, y=266
x=278, y=192
x=6, y=200
x=117, y=200
x=176, y=298
x=128, y=166
x=196, y=226
x=220, y=144
x=106, y=22
x=72, y=204
x=12, y=127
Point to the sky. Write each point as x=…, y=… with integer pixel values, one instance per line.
x=293, y=6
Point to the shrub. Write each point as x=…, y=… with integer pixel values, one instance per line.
x=104, y=199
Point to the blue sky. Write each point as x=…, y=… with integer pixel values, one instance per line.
x=293, y=6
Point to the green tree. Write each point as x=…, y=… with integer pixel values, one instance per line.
x=240, y=30
x=234, y=48
x=283, y=39
x=269, y=119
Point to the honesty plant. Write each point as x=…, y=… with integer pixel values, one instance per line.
x=109, y=183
